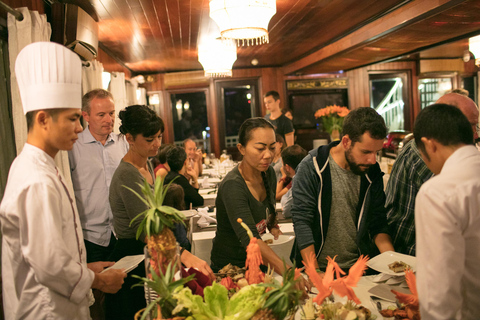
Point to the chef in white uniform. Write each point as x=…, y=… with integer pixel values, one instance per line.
x=44, y=269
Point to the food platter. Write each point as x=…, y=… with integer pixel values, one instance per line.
x=282, y=239
x=381, y=262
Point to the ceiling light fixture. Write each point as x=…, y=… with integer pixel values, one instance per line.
x=474, y=47
x=217, y=58
x=244, y=21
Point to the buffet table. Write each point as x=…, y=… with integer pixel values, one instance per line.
x=202, y=242
x=366, y=283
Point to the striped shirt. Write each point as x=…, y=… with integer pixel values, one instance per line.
x=408, y=174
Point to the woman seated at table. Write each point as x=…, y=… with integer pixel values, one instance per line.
x=143, y=130
x=248, y=192
x=162, y=169
x=179, y=166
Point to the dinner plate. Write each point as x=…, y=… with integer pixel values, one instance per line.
x=395, y=280
x=384, y=292
x=382, y=277
x=381, y=262
x=282, y=239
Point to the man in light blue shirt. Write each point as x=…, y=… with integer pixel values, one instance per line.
x=93, y=160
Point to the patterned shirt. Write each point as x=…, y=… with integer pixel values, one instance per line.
x=408, y=174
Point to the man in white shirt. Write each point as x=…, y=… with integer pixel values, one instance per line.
x=93, y=160
x=44, y=269
x=447, y=216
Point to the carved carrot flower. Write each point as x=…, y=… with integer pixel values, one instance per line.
x=254, y=258
x=316, y=279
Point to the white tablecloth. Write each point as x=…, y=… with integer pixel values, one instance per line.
x=202, y=243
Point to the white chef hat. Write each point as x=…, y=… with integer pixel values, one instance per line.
x=49, y=76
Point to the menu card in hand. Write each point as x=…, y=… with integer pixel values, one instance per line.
x=128, y=263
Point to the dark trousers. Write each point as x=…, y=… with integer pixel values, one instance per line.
x=127, y=301
x=96, y=253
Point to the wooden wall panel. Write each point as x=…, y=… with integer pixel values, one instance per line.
x=111, y=65
x=439, y=65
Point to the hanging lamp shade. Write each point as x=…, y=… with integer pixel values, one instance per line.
x=474, y=47
x=245, y=21
x=217, y=57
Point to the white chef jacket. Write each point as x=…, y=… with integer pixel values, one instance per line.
x=44, y=270
x=447, y=222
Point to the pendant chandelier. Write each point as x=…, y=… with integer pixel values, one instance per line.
x=245, y=21
x=217, y=57
x=474, y=47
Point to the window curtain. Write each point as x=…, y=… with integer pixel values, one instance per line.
x=118, y=90
x=92, y=76
x=131, y=88
x=7, y=136
x=33, y=28
x=142, y=99
x=132, y=96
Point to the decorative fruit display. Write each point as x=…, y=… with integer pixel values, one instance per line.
x=157, y=221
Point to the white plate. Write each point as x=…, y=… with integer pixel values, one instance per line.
x=381, y=277
x=381, y=262
x=395, y=280
x=384, y=292
x=282, y=239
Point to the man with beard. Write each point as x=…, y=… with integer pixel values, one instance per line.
x=338, y=199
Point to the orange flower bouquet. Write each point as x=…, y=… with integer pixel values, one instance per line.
x=332, y=117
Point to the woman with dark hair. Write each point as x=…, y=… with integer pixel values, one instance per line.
x=248, y=192
x=179, y=167
x=162, y=169
x=143, y=130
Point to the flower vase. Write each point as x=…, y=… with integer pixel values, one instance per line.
x=335, y=135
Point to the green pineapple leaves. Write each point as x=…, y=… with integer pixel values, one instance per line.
x=283, y=299
x=164, y=286
x=157, y=216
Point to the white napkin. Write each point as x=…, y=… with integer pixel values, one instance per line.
x=205, y=220
x=206, y=184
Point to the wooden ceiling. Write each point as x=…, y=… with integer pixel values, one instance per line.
x=306, y=36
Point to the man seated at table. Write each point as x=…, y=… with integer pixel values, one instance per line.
x=178, y=163
x=447, y=216
x=291, y=157
x=408, y=174
x=194, y=156
x=338, y=199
